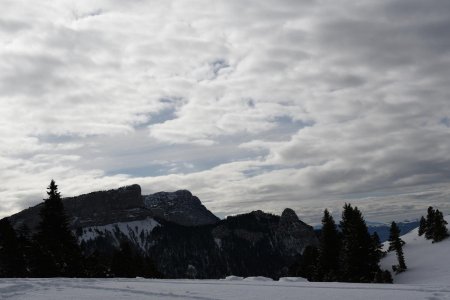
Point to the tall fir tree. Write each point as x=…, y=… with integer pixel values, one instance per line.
x=329, y=247
x=422, y=226
x=57, y=253
x=396, y=244
x=308, y=264
x=12, y=262
x=435, y=225
x=429, y=224
x=26, y=245
x=124, y=261
x=357, y=260
x=440, y=227
x=377, y=247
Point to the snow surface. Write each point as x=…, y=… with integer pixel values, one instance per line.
x=427, y=262
x=136, y=289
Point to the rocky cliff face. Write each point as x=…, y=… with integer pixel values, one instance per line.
x=184, y=238
x=179, y=207
x=125, y=204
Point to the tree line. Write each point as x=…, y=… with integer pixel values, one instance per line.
x=346, y=252
x=53, y=250
x=433, y=226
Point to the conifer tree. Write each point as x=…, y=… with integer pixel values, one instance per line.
x=329, y=247
x=26, y=248
x=396, y=244
x=429, y=231
x=377, y=247
x=357, y=262
x=12, y=263
x=124, y=262
x=58, y=253
x=440, y=228
x=422, y=226
x=308, y=264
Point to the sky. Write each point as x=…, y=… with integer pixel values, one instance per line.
x=265, y=104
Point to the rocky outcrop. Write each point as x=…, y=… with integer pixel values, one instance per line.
x=180, y=207
x=293, y=233
x=125, y=204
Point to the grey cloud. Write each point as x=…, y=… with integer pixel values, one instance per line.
x=262, y=104
x=13, y=26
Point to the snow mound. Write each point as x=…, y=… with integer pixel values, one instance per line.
x=427, y=262
x=293, y=279
x=233, y=278
x=258, y=278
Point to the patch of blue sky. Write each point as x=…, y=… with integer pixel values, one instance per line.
x=218, y=65
x=445, y=121
x=57, y=139
x=156, y=118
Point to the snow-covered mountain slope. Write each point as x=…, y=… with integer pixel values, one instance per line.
x=138, y=232
x=427, y=262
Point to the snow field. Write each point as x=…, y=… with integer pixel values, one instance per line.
x=115, y=289
x=427, y=262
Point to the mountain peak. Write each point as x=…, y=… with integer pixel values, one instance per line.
x=180, y=207
x=289, y=215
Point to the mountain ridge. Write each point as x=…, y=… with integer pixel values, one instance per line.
x=181, y=235
x=124, y=204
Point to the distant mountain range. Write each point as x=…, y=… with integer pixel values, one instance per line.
x=383, y=229
x=181, y=235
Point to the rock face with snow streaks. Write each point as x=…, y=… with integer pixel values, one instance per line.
x=183, y=237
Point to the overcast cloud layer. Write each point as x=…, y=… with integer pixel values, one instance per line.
x=248, y=104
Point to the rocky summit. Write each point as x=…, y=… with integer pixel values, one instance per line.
x=180, y=207
x=125, y=204
x=181, y=235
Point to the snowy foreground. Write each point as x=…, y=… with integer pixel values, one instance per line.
x=111, y=289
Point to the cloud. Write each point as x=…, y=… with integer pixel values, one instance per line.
x=262, y=104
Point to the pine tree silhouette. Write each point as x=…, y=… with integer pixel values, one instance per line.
x=57, y=253
x=396, y=244
x=358, y=263
x=422, y=226
x=377, y=247
x=440, y=228
x=124, y=261
x=429, y=224
x=329, y=247
x=435, y=225
x=12, y=263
